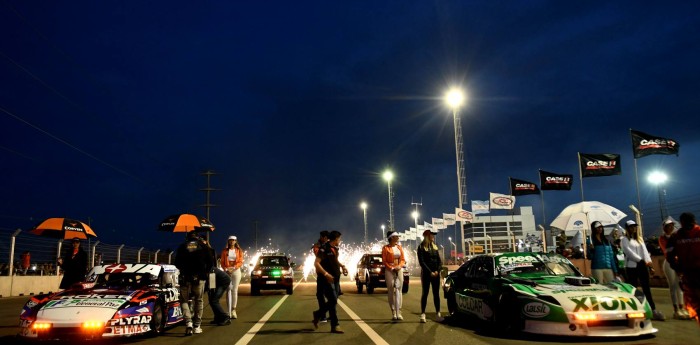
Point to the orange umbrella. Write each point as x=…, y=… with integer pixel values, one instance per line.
x=64, y=228
x=185, y=222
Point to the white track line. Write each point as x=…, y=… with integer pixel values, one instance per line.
x=367, y=329
x=254, y=330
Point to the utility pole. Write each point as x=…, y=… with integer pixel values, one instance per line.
x=415, y=219
x=255, y=226
x=208, y=205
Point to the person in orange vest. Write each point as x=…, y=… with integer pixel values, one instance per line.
x=394, y=260
x=231, y=262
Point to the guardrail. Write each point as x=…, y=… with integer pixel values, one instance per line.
x=24, y=255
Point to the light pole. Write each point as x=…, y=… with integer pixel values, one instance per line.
x=388, y=176
x=450, y=239
x=454, y=99
x=659, y=178
x=383, y=227
x=363, y=206
x=415, y=216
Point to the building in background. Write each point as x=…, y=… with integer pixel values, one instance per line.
x=516, y=232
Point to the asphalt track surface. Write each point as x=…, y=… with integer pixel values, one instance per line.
x=276, y=318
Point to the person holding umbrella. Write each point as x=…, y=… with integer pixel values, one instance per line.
x=231, y=262
x=74, y=264
x=638, y=264
x=194, y=260
x=394, y=260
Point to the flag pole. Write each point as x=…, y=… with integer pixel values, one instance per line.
x=580, y=175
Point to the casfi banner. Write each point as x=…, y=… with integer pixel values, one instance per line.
x=644, y=144
x=522, y=187
x=554, y=181
x=602, y=164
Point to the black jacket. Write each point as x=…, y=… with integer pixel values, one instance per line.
x=429, y=260
x=194, y=260
x=74, y=267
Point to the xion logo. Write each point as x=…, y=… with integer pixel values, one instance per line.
x=536, y=309
x=115, y=268
x=594, y=303
x=502, y=201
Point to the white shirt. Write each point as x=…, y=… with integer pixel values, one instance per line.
x=634, y=252
x=231, y=255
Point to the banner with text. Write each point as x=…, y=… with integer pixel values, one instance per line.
x=603, y=164
x=522, y=187
x=644, y=144
x=450, y=219
x=501, y=201
x=554, y=181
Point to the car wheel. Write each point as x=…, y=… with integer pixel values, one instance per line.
x=451, y=302
x=290, y=290
x=370, y=288
x=507, y=316
x=158, y=319
x=359, y=286
x=254, y=291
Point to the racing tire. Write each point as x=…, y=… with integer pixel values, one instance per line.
x=290, y=290
x=507, y=319
x=158, y=320
x=254, y=291
x=451, y=302
x=370, y=288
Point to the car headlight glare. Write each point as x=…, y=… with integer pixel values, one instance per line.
x=41, y=326
x=636, y=316
x=585, y=317
x=377, y=269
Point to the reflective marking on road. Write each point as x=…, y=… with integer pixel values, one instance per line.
x=367, y=329
x=254, y=330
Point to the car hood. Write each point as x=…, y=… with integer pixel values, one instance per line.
x=75, y=307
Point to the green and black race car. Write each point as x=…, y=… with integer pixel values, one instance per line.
x=545, y=294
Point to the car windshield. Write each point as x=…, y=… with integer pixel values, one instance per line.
x=548, y=265
x=376, y=260
x=273, y=261
x=123, y=280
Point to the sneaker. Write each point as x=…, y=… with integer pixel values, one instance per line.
x=439, y=318
x=337, y=329
x=678, y=315
x=399, y=316
x=323, y=319
x=687, y=314
x=658, y=316
x=316, y=319
x=224, y=323
x=188, y=331
x=233, y=314
x=197, y=330
x=394, y=317
x=422, y=318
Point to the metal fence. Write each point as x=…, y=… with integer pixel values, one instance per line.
x=42, y=253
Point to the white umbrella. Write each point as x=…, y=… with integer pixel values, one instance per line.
x=579, y=217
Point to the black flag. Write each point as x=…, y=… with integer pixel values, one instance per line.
x=644, y=144
x=553, y=181
x=521, y=187
x=604, y=164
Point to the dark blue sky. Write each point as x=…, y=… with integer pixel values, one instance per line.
x=111, y=110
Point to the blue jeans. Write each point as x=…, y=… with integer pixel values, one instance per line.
x=220, y=315
x=330, y=297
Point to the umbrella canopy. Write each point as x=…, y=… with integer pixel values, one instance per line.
x=579, y=216
x=185, y=222
x=63, y=228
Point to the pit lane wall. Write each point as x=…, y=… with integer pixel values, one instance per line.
x=28, y=285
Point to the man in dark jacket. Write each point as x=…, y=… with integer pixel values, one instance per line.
x=74, y=264
x=194, y=261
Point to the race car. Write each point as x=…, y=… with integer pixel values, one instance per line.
x=544, y=294
x=115, y=300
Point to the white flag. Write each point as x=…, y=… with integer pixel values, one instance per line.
x=420, y=229
x=428, y=226
x=449, y=218
x=439, y=223
x=480, y=206
x=463, y=216
x=502, y=201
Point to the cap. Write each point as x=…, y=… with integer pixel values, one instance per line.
x=667, y=221
x=393, y=234
x=233, y=238
x=75, y=239
x=596, y=224
x=630, y=223
x=426, y=232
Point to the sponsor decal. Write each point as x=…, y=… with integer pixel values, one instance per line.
x=474, y=305
x=595, y=303
x=578, y=223
x=502, y=201
x=536, y=310
x=102, y=302
x=594, y=165
x=557, y=179
x=116, y=268
x=177, y=312
x=132, y=320
x=130, y=329
x=466, y=215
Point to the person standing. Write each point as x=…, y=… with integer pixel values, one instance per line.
x=323, y=238
x=194, y=260
x=74, y=264
x=328, y=267
x=223, y=283
x=394, y=260
x=26, y=261
x=638, y=264
x=231, y=262
x=683, y=253
x=430, y=264
x=601, y=254
x=674, y=286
